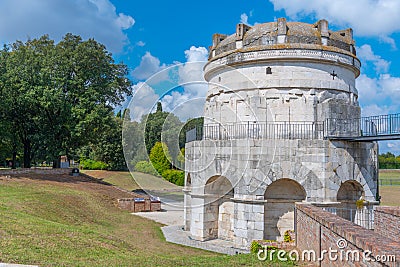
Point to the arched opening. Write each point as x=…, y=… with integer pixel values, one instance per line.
x=281, y=197
x=219, y=209
x=188, y=180
x=348, y=194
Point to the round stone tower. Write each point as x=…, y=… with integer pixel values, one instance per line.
x=293, y=71
x=276, y=93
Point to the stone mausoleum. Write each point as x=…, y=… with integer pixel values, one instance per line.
x=278, y=93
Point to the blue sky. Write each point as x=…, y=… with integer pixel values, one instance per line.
x=152, y=36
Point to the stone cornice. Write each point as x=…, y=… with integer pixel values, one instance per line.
x=299, y=55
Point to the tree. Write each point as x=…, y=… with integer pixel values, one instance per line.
x=108, y=147
x=160, y=158
x=21, y=75
x=181, y=159
x=57, y=97
x=133, y=141
x=159, y=123
x=191, y=124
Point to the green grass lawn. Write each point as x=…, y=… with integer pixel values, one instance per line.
x=122, y=179
x=389, y=177
x=136, y=180
x=53, y=223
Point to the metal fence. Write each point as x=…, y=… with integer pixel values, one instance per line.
x=363, y=217
x=251, y=130
x=375, y=126
x=366, y=126
x=389, y=182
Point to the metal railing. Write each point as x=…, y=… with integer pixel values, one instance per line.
x=363, y=217
x=375, y=126
x=253, y=130
x=389, y=182
x=366, y=126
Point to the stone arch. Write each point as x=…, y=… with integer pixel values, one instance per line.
x=281, y=196
x=219, y=208
x=348, y=194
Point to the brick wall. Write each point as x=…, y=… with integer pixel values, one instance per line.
x=387, y=222
x=320, y=231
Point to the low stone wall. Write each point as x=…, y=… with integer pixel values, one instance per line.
x=139, y=205
x=387, y=222
x=338, y=242
x=35, y=171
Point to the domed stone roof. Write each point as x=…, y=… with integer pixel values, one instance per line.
x=284, y=35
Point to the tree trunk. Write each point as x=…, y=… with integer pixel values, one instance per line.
x=14, y=156
x=14, y=159
x=27, y=154
x=56, y=163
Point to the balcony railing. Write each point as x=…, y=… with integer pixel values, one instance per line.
x=384, y=127
x=363, y=217
x=252, y=130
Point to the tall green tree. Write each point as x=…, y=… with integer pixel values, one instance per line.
x=161, y=123
x=108, y=147
x=191, y=124
x=160, y=157
x=57, y=97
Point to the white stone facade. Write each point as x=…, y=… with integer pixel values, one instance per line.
x=271, y=91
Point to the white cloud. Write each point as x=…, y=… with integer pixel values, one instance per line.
x=141, y=43
x=378, y=18
x=368, y=89
x=148, y=66
x=191, y=73
x=389, y=40
x=195, y=54
x=379, y=95
x=190, y=102
x=366, y=55
x=185, y=103
x=22, y=19
x=389, y=146
x=143, y=100
x=374, y=109
x=244, y=19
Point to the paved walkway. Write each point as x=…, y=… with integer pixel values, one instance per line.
x=171, y=214
x=176, y=234
x=172, y=217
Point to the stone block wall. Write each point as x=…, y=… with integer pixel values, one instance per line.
x=320, y=169
x=350, y=244
x=387, y=222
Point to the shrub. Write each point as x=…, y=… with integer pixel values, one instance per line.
x=255, y=247
x=146, y=167
x=174, y=176
x=287, y=236
x=160, y=158
x=89, y=164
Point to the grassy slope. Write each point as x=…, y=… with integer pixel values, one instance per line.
x=141, y=180
x=121, y=179
x=76, y=223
